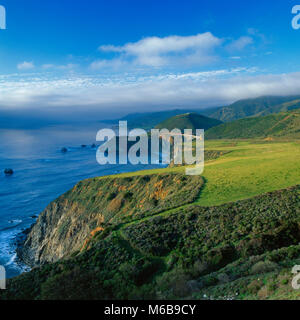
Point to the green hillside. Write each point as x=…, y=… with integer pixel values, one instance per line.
x=158, y=234
x=82, y=212
x=149, y=120
x=254, y=107
x=188, y=121
x=284, y=124
x=243, y=250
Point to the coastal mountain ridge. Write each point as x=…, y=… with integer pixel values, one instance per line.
x=244, y=108
x=260, y=106
x=279, y=125
x=188, y=121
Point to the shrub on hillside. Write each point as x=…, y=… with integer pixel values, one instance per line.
x=263, y=267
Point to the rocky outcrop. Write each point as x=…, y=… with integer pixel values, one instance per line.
x=57, y=233
x=67, y=224
x=8, y=172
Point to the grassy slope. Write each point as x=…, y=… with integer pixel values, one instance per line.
x=73, y=218
x=284, y=124
x=249, y=169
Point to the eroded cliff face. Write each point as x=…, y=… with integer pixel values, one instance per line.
x=68, y=223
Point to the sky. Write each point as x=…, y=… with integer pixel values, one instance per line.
x=84, y=59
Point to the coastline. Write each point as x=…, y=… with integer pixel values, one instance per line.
x=20, y=241
x=23, y=255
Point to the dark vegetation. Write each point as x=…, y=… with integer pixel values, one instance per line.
x=214, y=154
x=238, y=250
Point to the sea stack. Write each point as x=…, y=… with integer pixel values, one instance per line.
x=8, y=172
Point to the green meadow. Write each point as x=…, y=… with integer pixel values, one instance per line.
x=250, y=169
x=247, y=168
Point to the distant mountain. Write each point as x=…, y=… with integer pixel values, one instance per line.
x=189, y=121
x=241, y=109
x=149, y=120
x=283, y=124
x=254, y=107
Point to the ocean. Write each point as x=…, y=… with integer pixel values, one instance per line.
x=41, y=174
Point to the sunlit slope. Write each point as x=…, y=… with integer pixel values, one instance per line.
x=251, y=168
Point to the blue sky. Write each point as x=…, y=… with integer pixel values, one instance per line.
x=130, y=55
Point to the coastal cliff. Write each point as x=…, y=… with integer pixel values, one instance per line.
x=68, y=223
x=239, y=250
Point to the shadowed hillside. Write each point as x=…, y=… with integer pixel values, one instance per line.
x=284, y=124
x=149, y=120
x=254, y=107
x=188, y=121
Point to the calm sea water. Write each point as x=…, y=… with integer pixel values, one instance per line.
x=41, y=174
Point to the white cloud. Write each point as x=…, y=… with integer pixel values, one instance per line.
x=129, y=89
x=173, y=52
x=253, y=31
x=158, y=52
x=240, y=44
x=25, y=65
x=48, y=66
x=201, y=89
x=69, y=66
x=257, y=34
x=114, y=64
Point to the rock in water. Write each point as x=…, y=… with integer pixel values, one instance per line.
x=64, y=150
x=8, y=172
x=83, y=146
x=93, y=146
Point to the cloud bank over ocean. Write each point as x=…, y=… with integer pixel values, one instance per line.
x=136, y=93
